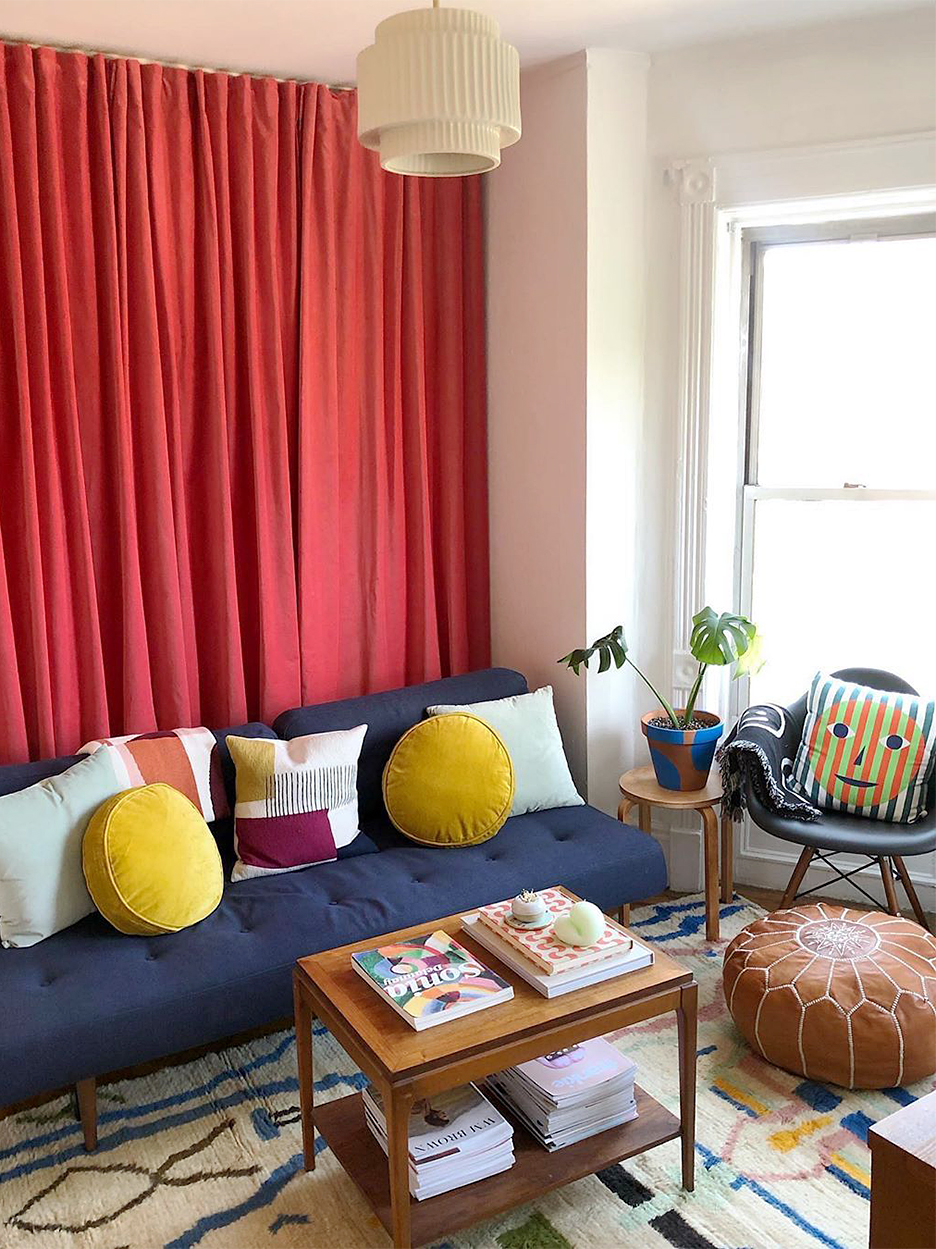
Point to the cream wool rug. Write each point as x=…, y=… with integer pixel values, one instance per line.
x=208, y=1154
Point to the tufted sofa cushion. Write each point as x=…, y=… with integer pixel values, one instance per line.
x=88, y=1000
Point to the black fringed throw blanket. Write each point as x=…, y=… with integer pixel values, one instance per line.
x=760, y=750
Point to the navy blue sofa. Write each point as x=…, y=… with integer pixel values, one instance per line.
x=90, y=1001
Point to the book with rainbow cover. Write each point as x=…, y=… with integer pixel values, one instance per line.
x=429, y=980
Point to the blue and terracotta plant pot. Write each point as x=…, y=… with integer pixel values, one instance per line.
x=682, y=758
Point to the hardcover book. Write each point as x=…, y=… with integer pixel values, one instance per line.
x=429, y=980
x=546, y=952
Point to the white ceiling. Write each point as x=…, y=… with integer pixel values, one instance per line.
x=319, y=39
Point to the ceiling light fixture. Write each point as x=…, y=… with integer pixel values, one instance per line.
x=438, y=93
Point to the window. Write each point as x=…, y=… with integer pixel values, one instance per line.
x=838, y=507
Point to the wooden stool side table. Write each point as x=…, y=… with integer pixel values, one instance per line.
x=640, y=788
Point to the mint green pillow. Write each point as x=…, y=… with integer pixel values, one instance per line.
x=527, y=725
x=42, y=886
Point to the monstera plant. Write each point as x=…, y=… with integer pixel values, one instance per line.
x=682, y=740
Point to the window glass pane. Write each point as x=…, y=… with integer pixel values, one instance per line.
x=842, y=584
x=848, y=364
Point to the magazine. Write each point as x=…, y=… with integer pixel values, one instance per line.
x=569, y=1094
x=431, y=979
x=455, y=1138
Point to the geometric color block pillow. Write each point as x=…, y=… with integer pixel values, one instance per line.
x=296, y=801
x=186, y=759
x=868, y=752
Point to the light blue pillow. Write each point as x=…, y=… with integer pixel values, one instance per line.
x=42, y=887
x=527, y=725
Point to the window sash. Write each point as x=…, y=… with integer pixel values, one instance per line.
x=755, y=242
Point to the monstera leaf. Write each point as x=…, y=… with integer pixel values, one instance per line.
x=720, y=639
x=612, y=648
x=753, y=658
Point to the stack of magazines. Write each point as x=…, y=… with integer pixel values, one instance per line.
x=571, y=1093
x=455, y=1138
x=545, y=962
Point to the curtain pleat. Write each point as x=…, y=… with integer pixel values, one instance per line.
x=242, y=413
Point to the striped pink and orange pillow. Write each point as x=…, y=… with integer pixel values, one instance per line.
x=296, y=800
x=186, y=759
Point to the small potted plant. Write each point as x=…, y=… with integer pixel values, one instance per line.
x=682, y=740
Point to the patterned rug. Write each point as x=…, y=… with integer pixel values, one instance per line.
x=208, y=1154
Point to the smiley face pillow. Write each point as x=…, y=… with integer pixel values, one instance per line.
x=867, y=752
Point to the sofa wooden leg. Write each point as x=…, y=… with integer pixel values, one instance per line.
x=86, y=1093
x=890, y=891
x=915, y=905
x=797, y=878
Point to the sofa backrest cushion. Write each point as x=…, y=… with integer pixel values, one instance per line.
x=389, y=714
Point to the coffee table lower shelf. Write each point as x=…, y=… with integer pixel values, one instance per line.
x=536, y=1170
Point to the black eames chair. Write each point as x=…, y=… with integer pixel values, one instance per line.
x=833, y=833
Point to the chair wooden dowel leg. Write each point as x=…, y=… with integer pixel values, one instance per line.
x=727, y=856
x=890, y=892
x=918, y=913
x=86, y=1091
x=796, y=879
x=710, y=862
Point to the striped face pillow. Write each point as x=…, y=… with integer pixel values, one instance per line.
x=296, y=801
x=864, y=751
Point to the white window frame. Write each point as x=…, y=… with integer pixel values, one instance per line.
x=720, y=197
x=753, y=243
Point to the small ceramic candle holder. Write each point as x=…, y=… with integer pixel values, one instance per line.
x=528, y=907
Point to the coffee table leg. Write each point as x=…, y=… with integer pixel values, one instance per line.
x=687, y=1033
x=398, y=1103
x=710, y=848
x=304, y=1062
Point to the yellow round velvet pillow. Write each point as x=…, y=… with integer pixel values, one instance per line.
x=449, y=781
x=150, y=862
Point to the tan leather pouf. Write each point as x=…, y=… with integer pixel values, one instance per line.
x=841, y=996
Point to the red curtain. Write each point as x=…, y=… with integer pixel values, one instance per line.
x=242, y=414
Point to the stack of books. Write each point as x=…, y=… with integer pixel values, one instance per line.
x=455, y=1138
x=542, y=960
x=431, y=979
x=570, y=1094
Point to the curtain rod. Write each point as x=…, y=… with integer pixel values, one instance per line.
x=81, y=50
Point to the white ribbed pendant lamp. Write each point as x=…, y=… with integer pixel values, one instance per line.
x=438, y=93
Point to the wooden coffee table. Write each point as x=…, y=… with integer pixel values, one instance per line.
x=405, y=1064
